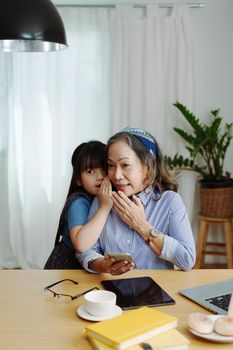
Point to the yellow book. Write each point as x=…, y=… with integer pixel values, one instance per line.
x=132, y=327
x=169, y=340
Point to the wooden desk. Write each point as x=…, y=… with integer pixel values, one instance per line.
x=28, y=321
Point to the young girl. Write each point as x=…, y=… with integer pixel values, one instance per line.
x=148, y=219
x=88, y=180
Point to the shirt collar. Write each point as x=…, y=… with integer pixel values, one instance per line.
x=146, y=195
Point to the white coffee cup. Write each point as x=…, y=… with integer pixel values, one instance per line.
x=100, y=302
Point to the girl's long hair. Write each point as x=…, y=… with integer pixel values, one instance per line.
x=88, y=155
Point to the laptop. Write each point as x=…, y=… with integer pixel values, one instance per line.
x=215, y=296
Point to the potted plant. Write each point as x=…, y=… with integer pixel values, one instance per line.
x=207, y=145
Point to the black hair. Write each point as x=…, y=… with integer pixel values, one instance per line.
x=88, y=155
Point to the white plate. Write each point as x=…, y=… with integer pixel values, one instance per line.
x=213, y=336
x=82, y=312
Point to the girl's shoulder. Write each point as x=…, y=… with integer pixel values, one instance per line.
x=76, y=200
x=78, y=195
x=79, y=205
x=80, y=201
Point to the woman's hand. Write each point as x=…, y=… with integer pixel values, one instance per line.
x=131, y=212
x=109, y=265
x=105, y=193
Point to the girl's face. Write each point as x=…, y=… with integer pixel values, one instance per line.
x=125, y=170
x=91, y=180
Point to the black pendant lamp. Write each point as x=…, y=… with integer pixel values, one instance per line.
x=31, y=25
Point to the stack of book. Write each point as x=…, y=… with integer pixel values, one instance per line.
x=132, y=328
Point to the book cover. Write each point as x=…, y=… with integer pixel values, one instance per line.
x=169, y=340
x=132, y=327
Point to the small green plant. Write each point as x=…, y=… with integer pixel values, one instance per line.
x=207, y=145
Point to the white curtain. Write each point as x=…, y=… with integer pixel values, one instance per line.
x=152, y=68
x=124, y=67
x=50, y=103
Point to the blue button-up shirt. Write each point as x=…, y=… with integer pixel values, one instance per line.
x=168, y=214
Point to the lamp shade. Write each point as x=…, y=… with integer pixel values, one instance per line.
x=30, y=25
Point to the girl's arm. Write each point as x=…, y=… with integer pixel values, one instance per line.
x=84, y=237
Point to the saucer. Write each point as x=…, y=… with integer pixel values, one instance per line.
x=213, y=336
x=82, y=312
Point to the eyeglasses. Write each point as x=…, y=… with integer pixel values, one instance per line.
x=64, y=298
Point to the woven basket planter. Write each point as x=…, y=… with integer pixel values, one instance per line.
x=216, y=202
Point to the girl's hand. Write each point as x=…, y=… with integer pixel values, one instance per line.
x=109, y=265
x=105, y=193
x=131, y=212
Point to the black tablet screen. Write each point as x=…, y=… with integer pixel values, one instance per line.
x=138, y=291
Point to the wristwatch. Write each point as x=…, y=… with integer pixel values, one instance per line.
x=154, y=232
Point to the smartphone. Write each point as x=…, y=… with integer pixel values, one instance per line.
x=120, y=256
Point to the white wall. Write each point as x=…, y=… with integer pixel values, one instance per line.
x=213, y=42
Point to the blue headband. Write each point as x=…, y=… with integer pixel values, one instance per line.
x=144, y=137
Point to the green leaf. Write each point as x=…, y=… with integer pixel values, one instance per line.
x=206, y=143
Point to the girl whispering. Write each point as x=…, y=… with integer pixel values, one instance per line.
x=88, y=180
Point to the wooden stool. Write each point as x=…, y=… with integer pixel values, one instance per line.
x=203, y=243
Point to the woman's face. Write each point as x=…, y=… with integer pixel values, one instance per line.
x=125, y=170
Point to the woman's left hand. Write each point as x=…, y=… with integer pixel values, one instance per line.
x=120, y=267
x=108, y=264
x=131, y=212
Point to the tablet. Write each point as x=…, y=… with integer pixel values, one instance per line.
x=136, y=292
